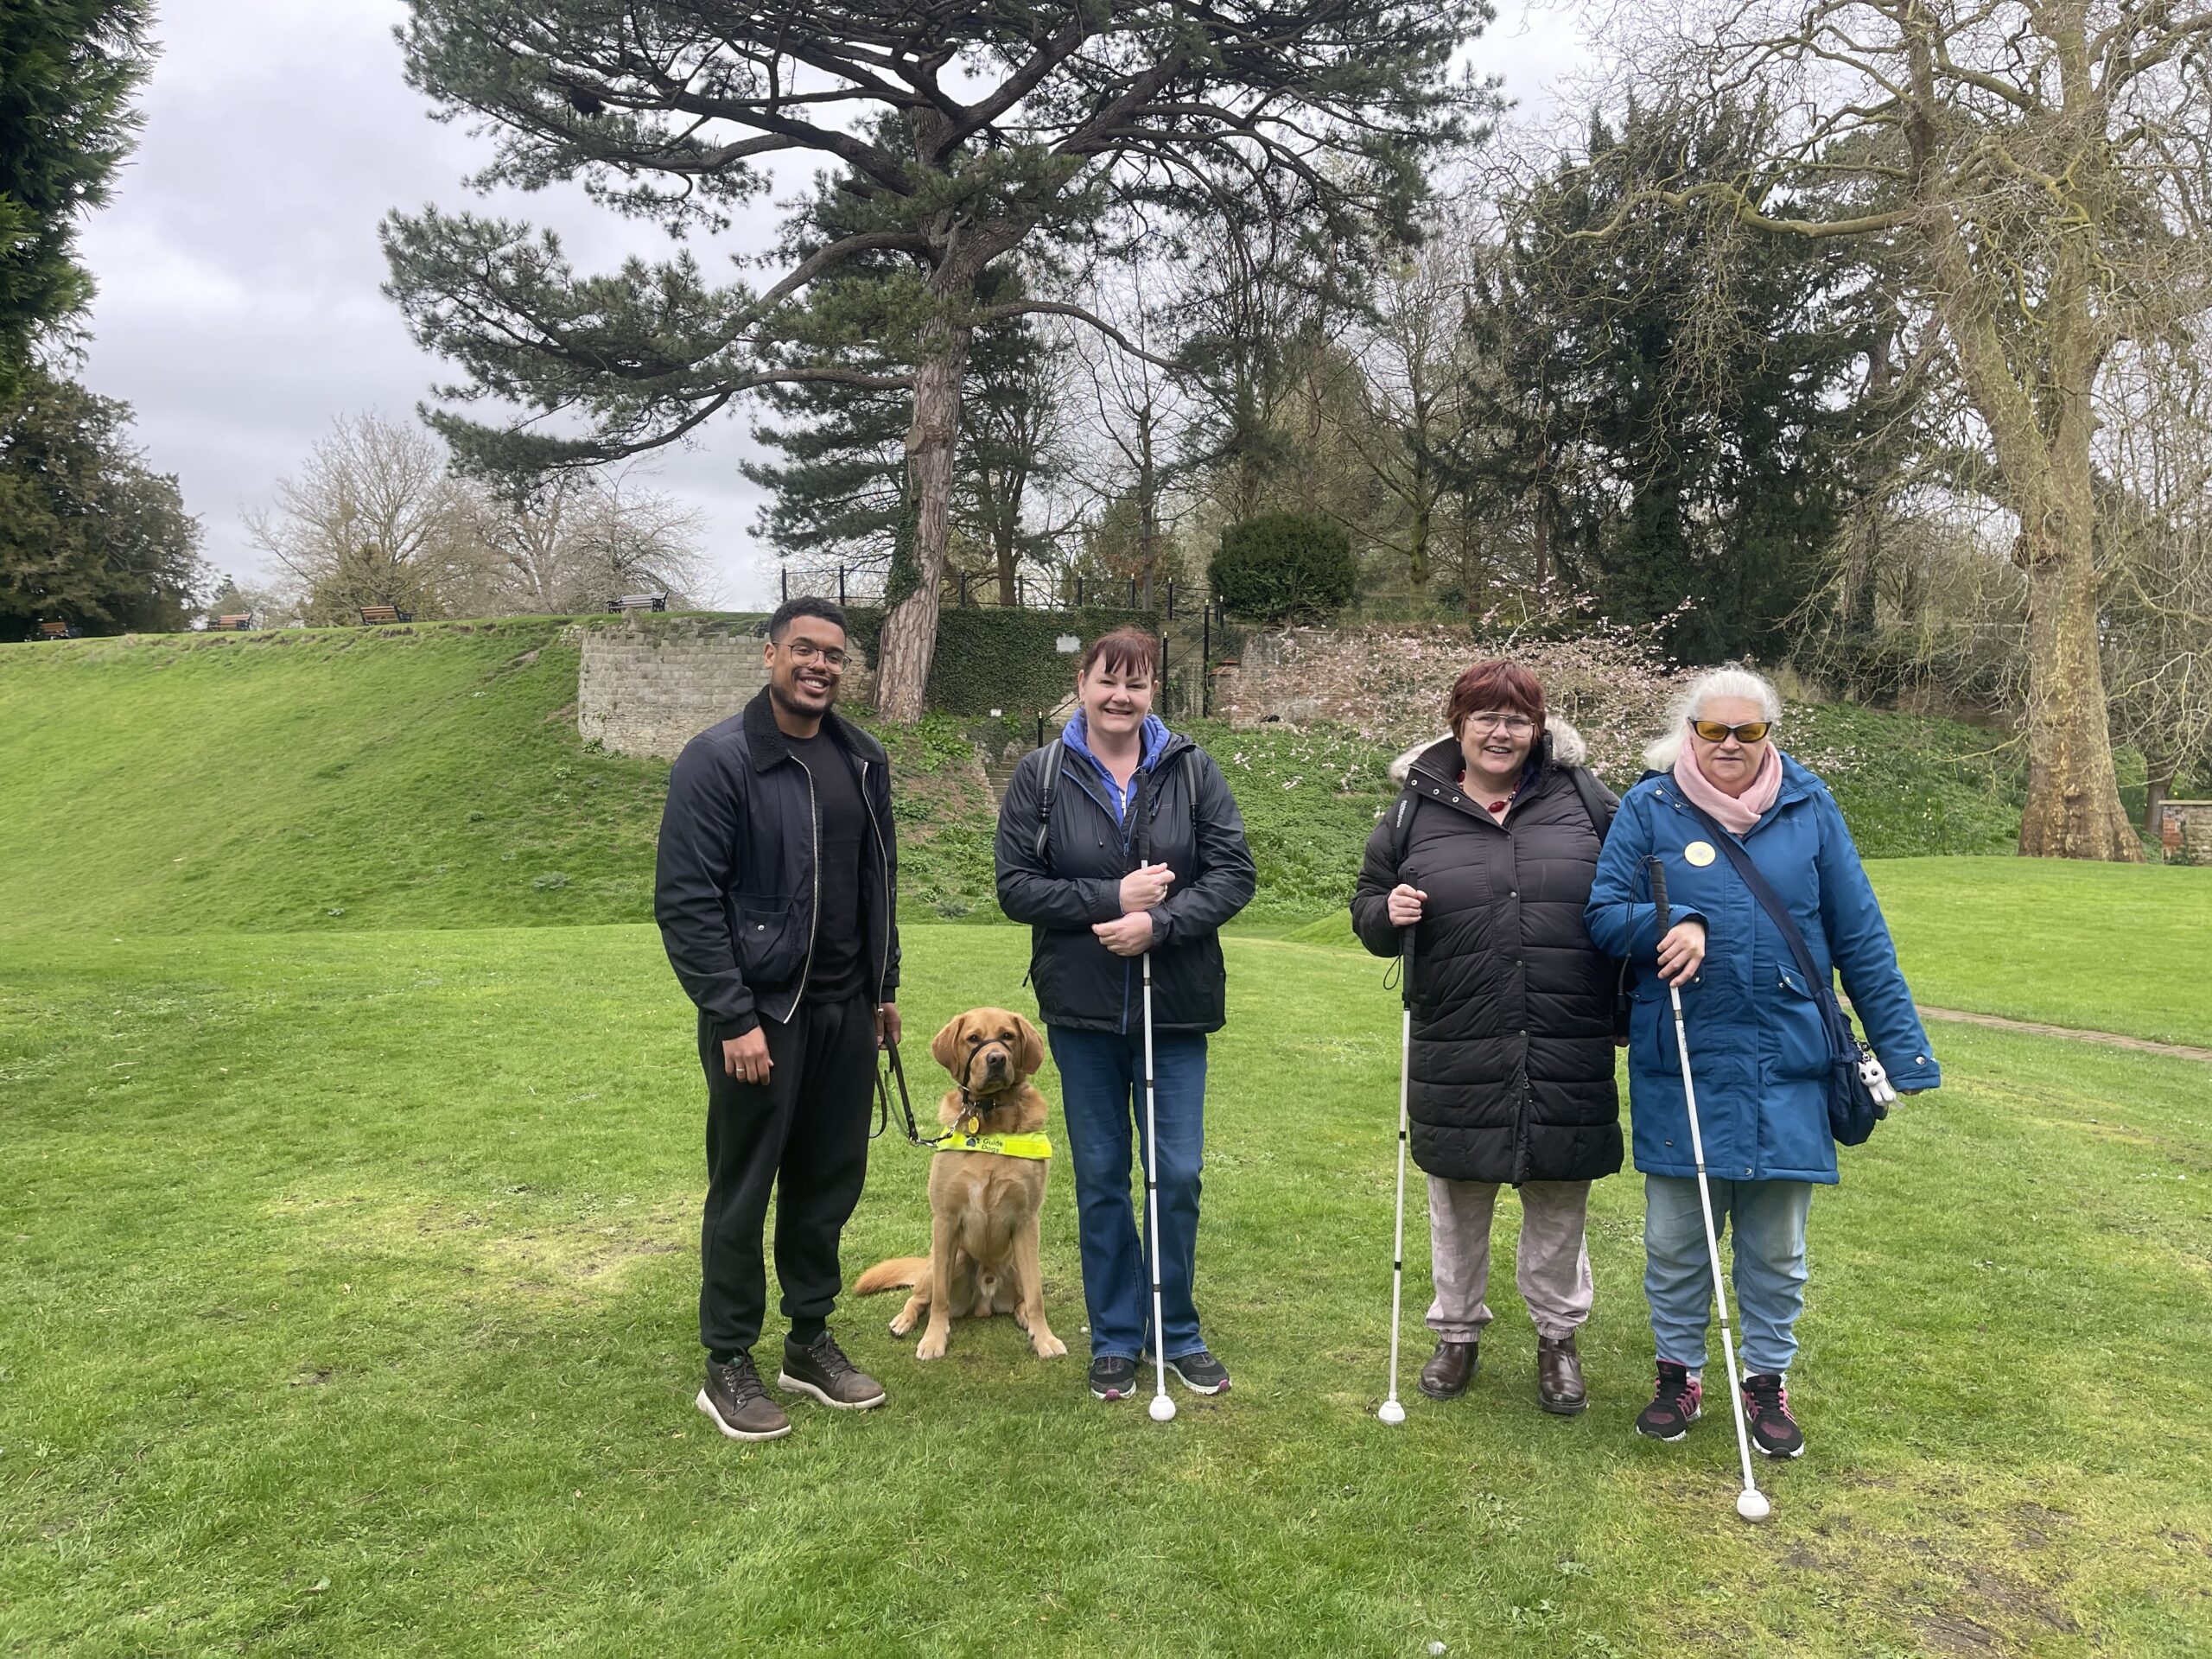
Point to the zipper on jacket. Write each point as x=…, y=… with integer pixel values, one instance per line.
x=883, y=875
x=814, y=919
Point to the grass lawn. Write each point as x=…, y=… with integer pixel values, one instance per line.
x=2097, y=947
x=350, y=1286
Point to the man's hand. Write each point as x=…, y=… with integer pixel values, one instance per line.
x=1682, y=953
x=1126, y=936
x=746, y=1058
x=886, y=1025
x=1405, y=903
x=1143, y=888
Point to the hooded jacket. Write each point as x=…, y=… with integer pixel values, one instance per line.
x=1758, y=1050
x=1181, y=813
x=737, y=885
x=1511, y=1076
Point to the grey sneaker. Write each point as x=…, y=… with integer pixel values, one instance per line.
x=821, y=1371
x=1201, y=1373
x=736, y=1403
x=1113, y=1376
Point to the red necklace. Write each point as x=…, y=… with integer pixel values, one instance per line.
x=1495, y=807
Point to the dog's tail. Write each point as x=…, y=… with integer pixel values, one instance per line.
x=896, y=1273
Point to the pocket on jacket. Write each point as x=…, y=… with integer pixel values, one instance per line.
x=1800, y=1029
x=771, y=941
x=1650, y=1039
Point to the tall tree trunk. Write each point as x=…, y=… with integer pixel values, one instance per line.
x=1424, y=495
x=908, y=644
x=2073, y=809
x=2158, y=769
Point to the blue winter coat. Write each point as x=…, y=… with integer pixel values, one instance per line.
x=1758, y=1052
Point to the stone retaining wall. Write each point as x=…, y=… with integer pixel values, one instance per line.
x=2185, y=831
x=651, y=685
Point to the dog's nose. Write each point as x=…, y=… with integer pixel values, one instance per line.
x=995, y=1060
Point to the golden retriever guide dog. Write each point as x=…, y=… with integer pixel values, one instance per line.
x=985, y=1206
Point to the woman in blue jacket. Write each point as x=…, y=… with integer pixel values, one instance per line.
x=1759, y=1048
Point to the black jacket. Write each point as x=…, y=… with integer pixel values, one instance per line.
x=1192, y=826
x=1512, y=1066
x=736, y=892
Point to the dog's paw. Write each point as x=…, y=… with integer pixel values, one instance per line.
x=932, y=1345
x=1049, y=1347
x=901, y=1326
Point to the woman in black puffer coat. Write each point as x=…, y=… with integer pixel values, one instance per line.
x=1489, y=855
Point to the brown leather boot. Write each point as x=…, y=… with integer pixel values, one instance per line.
x=1449, y=1369
x=1559, y=1376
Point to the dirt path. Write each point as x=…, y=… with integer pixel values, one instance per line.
x=2109, y=1038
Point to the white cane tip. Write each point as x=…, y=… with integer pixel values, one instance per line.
x=1391, y=1412
x=1163, y=1410
x=1751, y=1504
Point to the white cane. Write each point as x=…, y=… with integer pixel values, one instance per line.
x=1390, y=1411
x=1163, y=1408
x=1751, y=1503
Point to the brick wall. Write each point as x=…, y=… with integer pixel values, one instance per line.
x=653, y=683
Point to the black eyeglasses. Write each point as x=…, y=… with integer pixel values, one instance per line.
x=1713, y=731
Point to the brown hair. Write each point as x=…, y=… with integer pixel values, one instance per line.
x=1125, y=651
x=1495, y=684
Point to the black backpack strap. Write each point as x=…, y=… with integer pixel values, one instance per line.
x=1401, y=828
x=1594, y=801
x=1053, y=752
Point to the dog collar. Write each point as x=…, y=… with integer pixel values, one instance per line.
x=961, y=1138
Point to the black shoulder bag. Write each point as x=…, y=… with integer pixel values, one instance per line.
x=1853, y=1110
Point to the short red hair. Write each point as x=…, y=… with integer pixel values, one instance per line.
x=1500, y=684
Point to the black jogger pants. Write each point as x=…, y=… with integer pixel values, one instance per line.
x=802, y=1135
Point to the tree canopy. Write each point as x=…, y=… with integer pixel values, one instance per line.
x=1019, y=123
x=68, y=71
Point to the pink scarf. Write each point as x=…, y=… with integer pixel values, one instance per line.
x=1734, y=813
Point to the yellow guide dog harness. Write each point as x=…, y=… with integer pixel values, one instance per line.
x=962, y=1136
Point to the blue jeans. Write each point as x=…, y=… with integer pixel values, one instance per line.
x=1769, y=1217
x=1102, y=1094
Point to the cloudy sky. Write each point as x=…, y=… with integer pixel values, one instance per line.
x=239, y=270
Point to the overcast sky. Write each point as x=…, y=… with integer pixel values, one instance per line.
x=240, y=310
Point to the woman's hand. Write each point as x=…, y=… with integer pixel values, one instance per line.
x=1405, y=903
x=1142, y=889
x=1126, y=936
x=1682, y=953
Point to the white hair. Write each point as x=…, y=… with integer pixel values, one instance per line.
x=1730, y=680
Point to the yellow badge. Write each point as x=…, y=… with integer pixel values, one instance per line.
x=1699, y=853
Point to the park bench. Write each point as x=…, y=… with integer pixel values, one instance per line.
x=56, y=631
x=240, y=622
x=638, y=602
x=372, y=615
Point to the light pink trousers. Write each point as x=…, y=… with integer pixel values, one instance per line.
x=1552, y=1266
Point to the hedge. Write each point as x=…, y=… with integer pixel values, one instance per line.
x=1001, y=658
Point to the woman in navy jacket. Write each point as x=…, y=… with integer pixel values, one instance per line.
x=1759, y=1048
x=1142, y=851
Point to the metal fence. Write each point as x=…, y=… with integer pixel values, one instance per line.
x=970, y=590
x=1189, y=624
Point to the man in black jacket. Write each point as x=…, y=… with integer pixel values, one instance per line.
x=778, y=901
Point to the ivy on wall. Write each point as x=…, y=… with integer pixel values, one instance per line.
x=1004, y=659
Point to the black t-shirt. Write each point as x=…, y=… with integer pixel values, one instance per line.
x=838, y=971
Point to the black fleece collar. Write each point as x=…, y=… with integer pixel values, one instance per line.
x=766, y=743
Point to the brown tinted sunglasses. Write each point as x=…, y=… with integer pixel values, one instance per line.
x=1713, y=731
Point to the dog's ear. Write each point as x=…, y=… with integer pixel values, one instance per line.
x=1033, y=1048
x=945, y=1047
